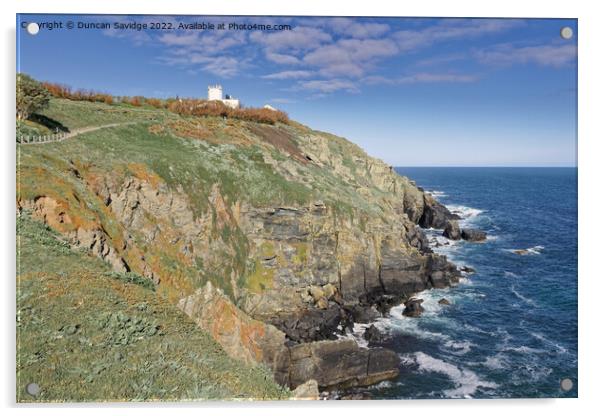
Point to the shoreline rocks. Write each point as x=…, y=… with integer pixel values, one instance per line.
x=307, y=391
x=452, y=231
x=470, y=234
x=373, y=334
x=413, y=307
x=338, y=363
x=435, y=214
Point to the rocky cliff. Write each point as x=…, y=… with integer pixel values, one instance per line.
x=274, y=239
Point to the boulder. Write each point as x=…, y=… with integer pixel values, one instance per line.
x=467, y=270
x=307, y=391
x=469, y=234
x=322, y=303
x=444, y=301
x=413, y=307
x=373, y=334
x=341, y=363
x=316, y=292
x=309, y=324
x=364, y=314
x=452, y=231
x=435, y=214
x=329, y=291
x=442, y=273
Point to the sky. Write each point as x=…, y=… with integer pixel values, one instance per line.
x=411, y=91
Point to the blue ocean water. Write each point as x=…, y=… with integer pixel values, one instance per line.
x=511, y=328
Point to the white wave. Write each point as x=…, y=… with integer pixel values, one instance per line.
x=523, y=349
x=466, y=382
x=459, y=347
x=522, y=297
x=543, y=339
x=357, y=335
x=437, y=194
x=464, y=212
x=510, y=274
x=382, y=385
x=535, y=250
x=496, y=362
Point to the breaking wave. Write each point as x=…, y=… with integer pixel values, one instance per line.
x=466, y=382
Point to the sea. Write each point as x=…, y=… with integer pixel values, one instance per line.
x=510, y=330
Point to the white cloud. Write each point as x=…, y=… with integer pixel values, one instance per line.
x=453, y=29
x=288, y=75
x=544, y=55
x=300, y=38
x=283, y=100
x=419, y=78
x=355, y=28
x=282, y=59
x=222, y=66
x=328, y=86
x=350, y=57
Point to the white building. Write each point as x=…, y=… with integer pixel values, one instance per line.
x=214, y=93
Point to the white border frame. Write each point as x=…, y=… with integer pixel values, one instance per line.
x=590, y=33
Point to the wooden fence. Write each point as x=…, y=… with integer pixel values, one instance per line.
x=47, y=138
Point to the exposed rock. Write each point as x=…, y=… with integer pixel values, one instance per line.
x=442, y=273
x=473, y=235
x=364, y=314
x=330, y=363
x=307, y=325
x=373, y=334
x=413, y=307
x=316, y=292
x=341, y=363
x=435, y=214
x=452, y=231
x=521, y=252
x=417, y=238
x=467, y=270
x=241, y=336
x=444, y=301
x=322, y=303
x=307, y=391
x=329, y=291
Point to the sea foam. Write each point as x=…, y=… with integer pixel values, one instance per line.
x=466, y=382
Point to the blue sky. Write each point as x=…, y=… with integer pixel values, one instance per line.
x=412, y=91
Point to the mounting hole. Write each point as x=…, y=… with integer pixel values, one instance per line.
x=33, y=28
x=32, y=389
x=566, y=33
x=566, y=384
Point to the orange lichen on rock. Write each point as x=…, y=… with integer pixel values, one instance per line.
x=141, y=172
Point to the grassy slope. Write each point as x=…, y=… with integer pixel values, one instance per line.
x=84, y=335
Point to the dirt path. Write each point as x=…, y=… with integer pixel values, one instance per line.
x=81, y=130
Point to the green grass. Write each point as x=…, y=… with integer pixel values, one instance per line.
x=30, y=128
x=86, y=334
x=77, y=114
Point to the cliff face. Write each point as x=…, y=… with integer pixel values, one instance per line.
x=271, y=238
